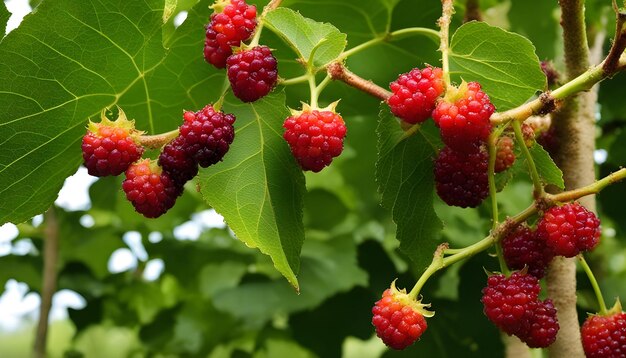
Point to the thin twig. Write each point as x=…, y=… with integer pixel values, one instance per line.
x=338, y=71
x=619, y=42
x=50, y=258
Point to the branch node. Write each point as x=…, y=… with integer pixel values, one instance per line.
x=548, y=103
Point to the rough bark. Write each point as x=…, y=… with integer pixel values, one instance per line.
x=575, y=127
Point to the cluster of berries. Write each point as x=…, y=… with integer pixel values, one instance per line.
x=315, y=136
x=563, y=230
x=462, y=116
x=512, y=304
x=113, y=147
x=252, y=71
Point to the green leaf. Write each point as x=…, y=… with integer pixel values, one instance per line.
x=4, y=17
x=53, y=81
x=307, y=37
x=359, y=19
x=548, y=171
x=405, y=180
x=503, y=62
x=259, y=188
x=328, y=267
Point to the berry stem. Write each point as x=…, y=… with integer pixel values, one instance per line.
x=493, y=139
x=273, y=4
x=389, y=37
x=538, y=192
x=294, y=80
x=322, y=85
x=435, y=265
x=503, y=266
x=444, y=25
x=594, y=284
x=158, y=140
x=313, y=89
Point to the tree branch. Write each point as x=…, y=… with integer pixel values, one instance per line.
x=50, y=258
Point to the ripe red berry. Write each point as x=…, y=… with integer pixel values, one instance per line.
x=398, y=318
x=461, y=177
x=252, y=73
x=569, y=229
x=542, y=326
x=605, y=336
x=215, y=53
x=463, y=116
x=232, y=22
x=505, y=154
x=415, y=94
x=207, y=135
x=315, y=137
x=109, y=147
x=177, y=163
x=507, y=299
x=521, y=247
x=151, y=191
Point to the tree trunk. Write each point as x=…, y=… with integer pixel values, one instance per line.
x=575, y=129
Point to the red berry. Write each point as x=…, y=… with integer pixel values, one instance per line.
x=605, y=336
x=315, y=137
x=207, y=135
x=415, y=94
x=109, y=147
x=507, y=299
x=569, y=229
x=252, y=73
x=398, y=318
x=522, y=248
x=214, y=53
x=151, y=191
x=233, y=22
x=505, y=154
x=179, y=165
x=464, y=120
x=542, y=326
x=461, y=177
